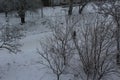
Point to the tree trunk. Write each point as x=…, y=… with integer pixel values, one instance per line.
x=22, y=20
x=118, y=43
x=58, y=77
x=22, y=16
x=82, y=7
x=64, y=60
x=41, y=9
x=6, y=14
x=70, y=7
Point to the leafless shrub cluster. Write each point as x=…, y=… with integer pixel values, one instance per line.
x=9, y=38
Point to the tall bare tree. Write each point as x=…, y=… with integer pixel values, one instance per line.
x=58, y=50
x=112, y=8
x=96, y=47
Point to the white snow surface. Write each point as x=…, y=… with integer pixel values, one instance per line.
x=25, y=64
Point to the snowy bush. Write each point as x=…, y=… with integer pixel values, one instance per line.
x=9, y=37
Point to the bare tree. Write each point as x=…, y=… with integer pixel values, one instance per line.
x=96, y=47
x=58, y=50
x=55, y=56
x=25, y=5
x=6, y=6
x=53, y=61
x=112, y=8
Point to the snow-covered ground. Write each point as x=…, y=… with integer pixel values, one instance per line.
x=25, y=64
